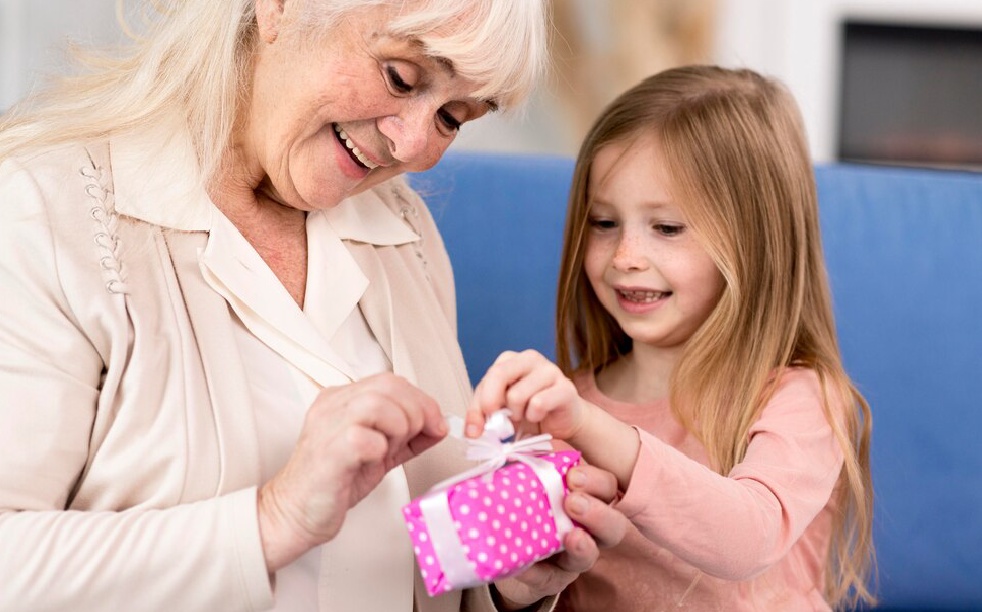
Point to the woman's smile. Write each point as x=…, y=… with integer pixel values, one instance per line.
x=356, y=154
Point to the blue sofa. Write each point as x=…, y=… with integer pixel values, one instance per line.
x=904, y=252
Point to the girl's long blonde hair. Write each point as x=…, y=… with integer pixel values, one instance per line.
x=735, y=149
x=193, y=58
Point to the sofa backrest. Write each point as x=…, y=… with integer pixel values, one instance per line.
x=904, y=253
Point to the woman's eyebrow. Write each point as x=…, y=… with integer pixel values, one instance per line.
x=448, y=65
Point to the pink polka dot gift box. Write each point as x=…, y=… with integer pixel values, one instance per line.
x=495, y=520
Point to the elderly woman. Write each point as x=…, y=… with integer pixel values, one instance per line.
x=228, y=323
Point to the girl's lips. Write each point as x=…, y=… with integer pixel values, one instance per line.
x=640, y=301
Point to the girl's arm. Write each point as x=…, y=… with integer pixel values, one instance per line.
x=737, y=525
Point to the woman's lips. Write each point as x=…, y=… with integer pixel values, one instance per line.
x=353, y=151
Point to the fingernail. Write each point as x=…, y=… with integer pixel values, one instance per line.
x=581, y=545
x=577, y=504
x=471, y=431
x=576, y=478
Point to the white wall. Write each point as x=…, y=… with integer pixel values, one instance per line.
x=798, y=42
x=33, y=35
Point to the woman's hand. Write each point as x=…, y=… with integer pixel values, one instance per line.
x=588, y=503
x=352, y=436
x=535, y=390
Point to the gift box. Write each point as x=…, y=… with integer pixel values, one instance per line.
x=493, y=521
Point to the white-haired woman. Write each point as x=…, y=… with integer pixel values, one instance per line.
x=228, y=323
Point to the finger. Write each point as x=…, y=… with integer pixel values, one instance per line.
x=473, y=421
x=594, y=481
x=504, y=356
x=379, y=412
x=534, y=382
x=490, y=393
x=508, y=369
x=606, y=525
x=580, y=554
x=419, y=410
x=366, y=445
x=421, y=444
x=434, y=423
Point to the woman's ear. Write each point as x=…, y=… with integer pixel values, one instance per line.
x=269, y=16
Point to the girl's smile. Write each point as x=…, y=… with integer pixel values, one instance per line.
x=640, y=301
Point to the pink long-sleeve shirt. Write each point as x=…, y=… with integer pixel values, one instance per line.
x=755, y=539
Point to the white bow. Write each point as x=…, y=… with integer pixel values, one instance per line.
x=496, y=447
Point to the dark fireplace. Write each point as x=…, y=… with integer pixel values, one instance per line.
x=911, y=95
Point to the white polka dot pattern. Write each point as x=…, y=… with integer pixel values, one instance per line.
x=503, y=522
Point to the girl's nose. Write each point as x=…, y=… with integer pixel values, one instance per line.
x=628, y=254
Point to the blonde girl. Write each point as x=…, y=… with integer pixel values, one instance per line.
x=698, y=359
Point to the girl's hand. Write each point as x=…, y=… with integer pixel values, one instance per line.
x=537, y=393
x=543, y=400
x=588, y=503
x=352, y=436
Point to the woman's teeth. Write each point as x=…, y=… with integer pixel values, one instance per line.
x=354, y=150
x=643, y=296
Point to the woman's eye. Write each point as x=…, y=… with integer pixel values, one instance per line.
x=448, y=119
x=396, y=81
x=669, y=229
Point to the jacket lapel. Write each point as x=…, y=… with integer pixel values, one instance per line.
x=377, y=307
x=231, y=405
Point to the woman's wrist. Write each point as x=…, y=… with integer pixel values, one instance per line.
x=280, y=546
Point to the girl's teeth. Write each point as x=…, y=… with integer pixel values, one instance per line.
x=642, y=296
x=355, y=150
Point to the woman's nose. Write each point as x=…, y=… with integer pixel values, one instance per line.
x=408, y=135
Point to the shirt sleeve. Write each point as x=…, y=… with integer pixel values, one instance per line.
x=736, y=526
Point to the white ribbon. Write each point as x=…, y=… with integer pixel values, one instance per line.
x=496, y=447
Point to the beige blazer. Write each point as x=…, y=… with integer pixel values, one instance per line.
x=122, y=397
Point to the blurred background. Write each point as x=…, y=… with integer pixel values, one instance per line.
x=894, y=81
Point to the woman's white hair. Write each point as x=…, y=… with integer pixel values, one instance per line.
x=194, y=57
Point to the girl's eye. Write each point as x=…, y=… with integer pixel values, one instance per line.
x=449, y=121
x=669, y=229
x=601, y=223
x=398, y=83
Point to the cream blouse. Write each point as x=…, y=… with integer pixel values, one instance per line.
x=289, y=356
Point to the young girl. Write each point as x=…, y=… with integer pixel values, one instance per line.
x=698, y=360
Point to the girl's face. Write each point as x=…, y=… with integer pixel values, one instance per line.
x=328, y=119
x=642, y=260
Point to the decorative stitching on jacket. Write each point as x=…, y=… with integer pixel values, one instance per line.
x=106, y=238
x=411, y=216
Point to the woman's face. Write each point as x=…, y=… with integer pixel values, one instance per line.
x=642, y=259
x=332, y=118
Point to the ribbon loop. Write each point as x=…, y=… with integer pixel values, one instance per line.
x=496, y=447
